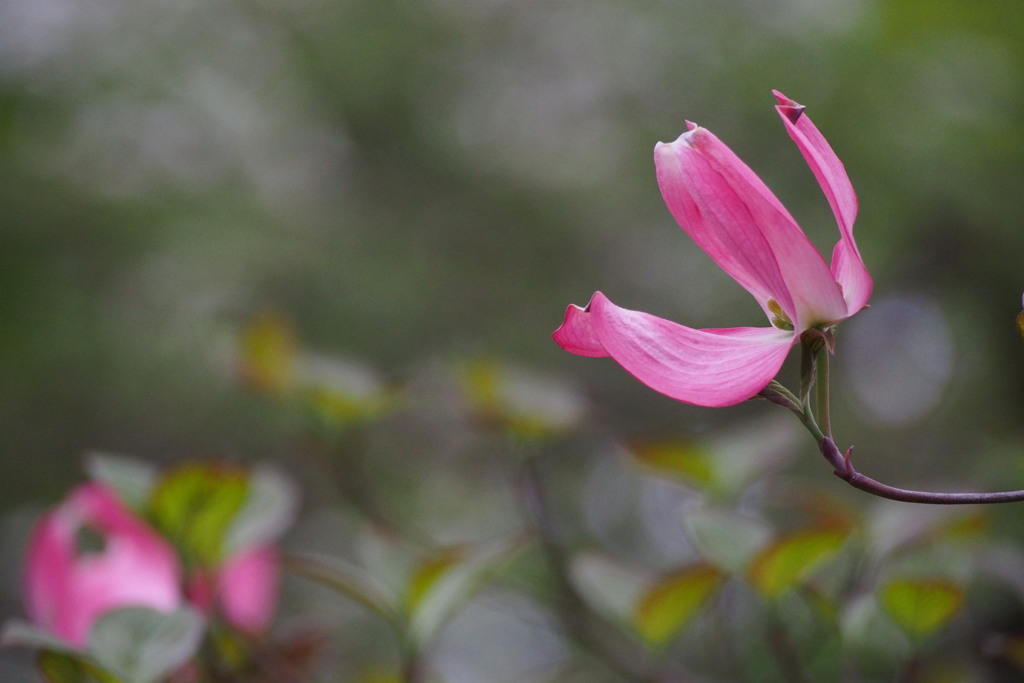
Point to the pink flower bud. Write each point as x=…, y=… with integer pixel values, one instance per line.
x=92, y=555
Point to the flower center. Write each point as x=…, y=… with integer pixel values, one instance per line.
x=779, y=318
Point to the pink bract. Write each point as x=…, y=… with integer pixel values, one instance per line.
x=248, y=584
x=67, y=587
x=733, y=216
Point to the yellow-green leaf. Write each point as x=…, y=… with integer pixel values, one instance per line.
x=268, y=347
x=446, y=583
x=921, y=606
x=429, y=572
x=528, y=405
x=790, y=559
x=195, y=505
x=683, y=460
x=673, y=600
x=64, y=667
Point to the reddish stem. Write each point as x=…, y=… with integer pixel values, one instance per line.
x=844, y=469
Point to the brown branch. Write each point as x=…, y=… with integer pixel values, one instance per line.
x=843, y=468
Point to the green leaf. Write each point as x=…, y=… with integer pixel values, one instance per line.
x=728, y=539
x=528, y=405
x=722, y=465
x=920, y=606
x=347, y=580
x=790, y=559
x=195, y=505
x=268, y=511
x=673, y=600
x=145, y=644
x=267, y=354
x=59, y=661
x=426, y=576
x=686, y=461
x=340, y=392
x=611, y=586
x=443, y=584
x=132, y=479
x=18, y=633
x=65, y=667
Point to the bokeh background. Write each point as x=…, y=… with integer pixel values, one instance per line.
x=417, y=183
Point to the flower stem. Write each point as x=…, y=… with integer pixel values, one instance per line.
x=851, y=476
x=824, y=394
x=813, y=371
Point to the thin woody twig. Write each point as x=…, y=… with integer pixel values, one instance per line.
x=843, y=468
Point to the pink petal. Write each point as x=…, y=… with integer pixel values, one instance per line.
x=847, y=264
x=717, y=367
x=575, y=334
x=248, y=585
x=66, y=592
x=731, y=214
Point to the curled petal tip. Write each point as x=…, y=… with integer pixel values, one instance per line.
x=791, y=109
x=686, y=138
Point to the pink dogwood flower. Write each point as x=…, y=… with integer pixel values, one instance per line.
x=92, y=555
x=733, y=216
x=249, y=584
x=243, y=589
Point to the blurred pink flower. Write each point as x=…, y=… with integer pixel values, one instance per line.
x=243, y=588
x=248, y=584
x=733, y=216
x=68, y=585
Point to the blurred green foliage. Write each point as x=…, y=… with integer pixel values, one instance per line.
x=411, y=187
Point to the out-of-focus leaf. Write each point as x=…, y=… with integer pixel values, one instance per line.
x=868, y=632
x=64, y=667
x=725, y=465
x=58, y=661
x=921, y=606
x=18, y=633
x=145, y=645
x=673, y=600
x=132, y=479
x=1011, y=651
x=790, y=559
x=686, y=461
x=443, y=584
x=968, y=527
x=429, y=572
x=726, y=538
x=340, y=391
x=526, y=404
x=195, y=505
x=347, y=580
x=269, y=510
x=1020, y=323
x=267, y=360
x=611, y=586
